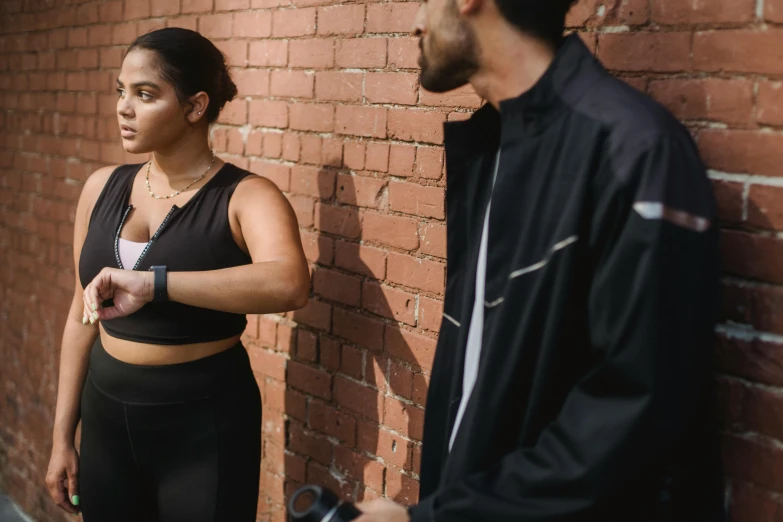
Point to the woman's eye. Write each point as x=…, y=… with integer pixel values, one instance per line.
x=120, y=92
x=145, y=96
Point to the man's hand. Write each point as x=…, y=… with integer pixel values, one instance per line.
x=382, y=510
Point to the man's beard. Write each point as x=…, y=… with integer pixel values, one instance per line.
x=451, y=63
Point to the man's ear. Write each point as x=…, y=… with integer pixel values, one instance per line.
x=468, y=7
x=198, y=103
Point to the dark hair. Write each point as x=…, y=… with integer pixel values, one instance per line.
x=544, y=19
x=191, y=63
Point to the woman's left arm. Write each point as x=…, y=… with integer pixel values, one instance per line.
x=278, y=280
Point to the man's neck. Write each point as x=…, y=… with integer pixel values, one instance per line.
x=511, y=64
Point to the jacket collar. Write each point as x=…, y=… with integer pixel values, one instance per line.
x=568, y=77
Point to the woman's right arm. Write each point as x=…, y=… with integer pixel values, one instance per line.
x=62, y=476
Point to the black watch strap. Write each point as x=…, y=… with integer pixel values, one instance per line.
x=160, y=284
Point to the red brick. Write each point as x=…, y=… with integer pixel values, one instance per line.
x=312, y=53
x=341, y=221
x=337, y=287
x=231, y=5
x=333, y=422
x=391, y=17
x=352, y=363
x=394, y=449
x=429, y=162
x=757, y=305
x=234, y=113
x=658, y=52
x=430, y=313
x=265, y=53
x=316, y=314
x=269, y=113
x=292, y=84
x=309, y=380
x=403, y=418
x=742, y=151
x=196, y=6
x=729, y=101
x=773, y=10
x=338, y=86
x=769, y=106
x=752, y=256
x=358, y=398
x=312, y=117
x=361, y=467
x=401, y=160
x=753, y=503
x=309, y=444
x=377, y=157
x=416, y=125
x=361, y=121
x=360, y=259
x=252, y=24
x=739, y=50
x=303, y=208
x=360, y=190
x=359, y=329
x=403, y=489
x=112, y=11
x=329, y=355
x=762, y=412
x=764, y=209
x=277, y=173
x=389, y=302
x=310, y=148
x=399, y=88
x=293, y=22
x=752, y=359
x=400, y=380
x=312, y=181
x=463, y=97
x=754, y=460
x=363, y=53
x=332, y=152
x=341, y=19
x=251, y=82
x=410, y=198
x=216, y=25
x=396, y=231
x=267, y=363
x=681, y=12
x=317, y=248
x=410, y=347
x=404, y=53
x=186, y=22
x=729, y=198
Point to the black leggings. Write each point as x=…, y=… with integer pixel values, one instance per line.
x=174, y=443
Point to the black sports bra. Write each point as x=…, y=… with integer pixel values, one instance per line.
x=194, y=237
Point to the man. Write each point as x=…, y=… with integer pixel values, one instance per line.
x=572, y=376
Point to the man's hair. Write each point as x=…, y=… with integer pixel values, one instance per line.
x=543, y=19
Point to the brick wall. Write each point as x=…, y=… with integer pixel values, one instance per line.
x=330, y=109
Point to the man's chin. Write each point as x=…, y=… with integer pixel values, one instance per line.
x=441, y=81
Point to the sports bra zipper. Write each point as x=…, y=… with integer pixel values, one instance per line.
x=146, y=247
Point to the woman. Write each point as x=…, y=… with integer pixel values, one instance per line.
x=171, y=254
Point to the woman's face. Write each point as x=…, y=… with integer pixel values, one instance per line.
x=149, y=113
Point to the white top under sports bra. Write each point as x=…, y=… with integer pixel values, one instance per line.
x=130, y=252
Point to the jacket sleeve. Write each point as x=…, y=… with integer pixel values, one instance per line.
x=651, y=311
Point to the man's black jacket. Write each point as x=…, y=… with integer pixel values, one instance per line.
x=593, y=399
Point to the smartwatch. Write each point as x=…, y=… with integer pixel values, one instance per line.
x=160, y=292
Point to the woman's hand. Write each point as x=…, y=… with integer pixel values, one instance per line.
x=382, y=510
x=62, y=478
x=129, y=289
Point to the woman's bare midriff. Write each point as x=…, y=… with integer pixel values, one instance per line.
x=158, y=354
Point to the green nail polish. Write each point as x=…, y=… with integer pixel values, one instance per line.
x=95, y=315
x=75, y=500
x=94, y=307
x=92, y=321
x=84, y=319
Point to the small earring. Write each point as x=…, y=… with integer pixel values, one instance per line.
x=199, y=112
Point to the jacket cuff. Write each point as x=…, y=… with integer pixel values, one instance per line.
x=423, y=511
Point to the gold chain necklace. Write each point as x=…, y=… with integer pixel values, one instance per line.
x=178, y=192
